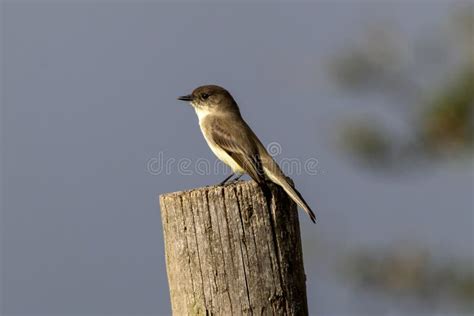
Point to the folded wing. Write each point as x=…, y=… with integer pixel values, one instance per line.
x=240, y=147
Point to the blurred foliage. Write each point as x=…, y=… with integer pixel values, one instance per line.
x=447, y=124
x=413, y=273
x=439, y=116
x=372, y=144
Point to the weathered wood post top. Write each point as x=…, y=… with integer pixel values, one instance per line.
x=227, y=253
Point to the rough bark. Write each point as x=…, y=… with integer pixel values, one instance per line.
x=228, y=254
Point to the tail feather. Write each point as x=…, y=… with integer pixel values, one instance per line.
x=277, y=176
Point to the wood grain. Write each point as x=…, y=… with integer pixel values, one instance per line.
x=228, y=253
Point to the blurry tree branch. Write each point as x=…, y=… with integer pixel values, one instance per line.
x=411, y=272
x=439, y=115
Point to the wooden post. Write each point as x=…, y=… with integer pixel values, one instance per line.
x=227, y=254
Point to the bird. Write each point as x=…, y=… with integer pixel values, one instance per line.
x=232, y=140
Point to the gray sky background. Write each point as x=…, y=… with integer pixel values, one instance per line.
x=89, y=97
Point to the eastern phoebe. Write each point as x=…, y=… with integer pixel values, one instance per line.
x=234, y=142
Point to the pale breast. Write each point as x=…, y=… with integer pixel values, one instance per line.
x=220, y=153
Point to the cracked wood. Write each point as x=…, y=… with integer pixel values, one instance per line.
x=227, y=253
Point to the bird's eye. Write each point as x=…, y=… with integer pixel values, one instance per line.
x=205, y=96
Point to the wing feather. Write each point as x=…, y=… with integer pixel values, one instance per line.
x=240, y=146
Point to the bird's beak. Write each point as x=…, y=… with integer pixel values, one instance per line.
x=188, y=97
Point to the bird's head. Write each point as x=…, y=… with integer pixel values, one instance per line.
x=211, y=98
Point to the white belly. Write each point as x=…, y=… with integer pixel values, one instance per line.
x=224, y=157
x=220, y=153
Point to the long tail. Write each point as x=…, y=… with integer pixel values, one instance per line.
x=275, y=174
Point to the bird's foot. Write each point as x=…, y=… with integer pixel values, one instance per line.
x=236, y=179
x=226, y=179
